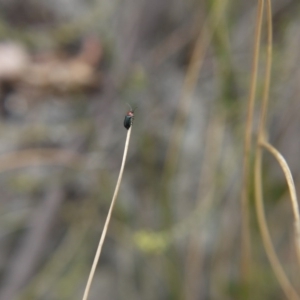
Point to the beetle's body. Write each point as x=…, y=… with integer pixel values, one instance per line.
x=129, y=119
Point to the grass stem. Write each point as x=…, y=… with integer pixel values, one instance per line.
x=103, y=235
x=290, y=182
x=246, y=249
x=287, y=287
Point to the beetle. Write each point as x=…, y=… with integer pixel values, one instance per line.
x=129, y=117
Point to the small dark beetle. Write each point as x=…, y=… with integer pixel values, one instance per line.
x=129, y=118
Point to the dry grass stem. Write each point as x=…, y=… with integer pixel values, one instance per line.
x=290, y=182
x=246, y=249
x=288, y=289
x=265, y=100
x=103, y=235
x=271, y=254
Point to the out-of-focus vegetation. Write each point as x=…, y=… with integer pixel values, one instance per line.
x=67, y=69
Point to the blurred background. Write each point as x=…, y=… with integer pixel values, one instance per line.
x=67, y=70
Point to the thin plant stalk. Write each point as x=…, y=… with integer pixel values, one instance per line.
x=291, y=185
x=267, y=242
x=103, y=235
x=246, y=244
